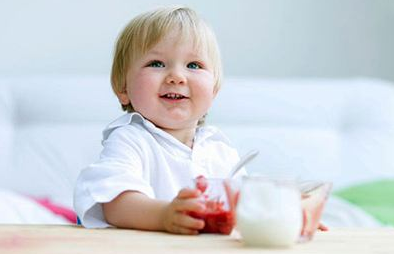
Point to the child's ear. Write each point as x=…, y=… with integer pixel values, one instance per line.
x=123, y=98
x=215, y=92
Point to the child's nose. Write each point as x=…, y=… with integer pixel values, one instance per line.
x=175, y=77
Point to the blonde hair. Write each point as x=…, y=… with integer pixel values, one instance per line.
x=147, y=29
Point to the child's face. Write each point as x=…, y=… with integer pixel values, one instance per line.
x=172, y=85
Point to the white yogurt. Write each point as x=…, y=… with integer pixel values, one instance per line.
x=269, y=213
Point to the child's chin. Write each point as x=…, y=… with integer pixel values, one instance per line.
x=175, y=123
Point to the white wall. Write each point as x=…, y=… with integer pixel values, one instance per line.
x=269, y=38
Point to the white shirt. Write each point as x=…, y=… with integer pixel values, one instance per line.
x=138, y=156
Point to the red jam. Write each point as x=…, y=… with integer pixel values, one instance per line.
x=217, y=219
x=201, y=183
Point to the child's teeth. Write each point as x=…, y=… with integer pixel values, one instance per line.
x=173, y=96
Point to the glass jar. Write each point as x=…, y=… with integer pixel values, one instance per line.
x=269, y=212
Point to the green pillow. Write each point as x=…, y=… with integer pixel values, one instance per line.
x=376, y=198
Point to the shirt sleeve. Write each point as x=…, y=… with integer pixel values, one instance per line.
x=119, y=169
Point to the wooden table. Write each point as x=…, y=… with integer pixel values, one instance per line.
x=74, y=239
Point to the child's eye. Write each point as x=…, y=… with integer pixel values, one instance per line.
x=194, y=65
x=156, y=64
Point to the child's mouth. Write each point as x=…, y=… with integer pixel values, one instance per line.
x=173, y=96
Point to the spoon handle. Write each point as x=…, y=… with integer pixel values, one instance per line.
x=243, y=161
x=308, y=187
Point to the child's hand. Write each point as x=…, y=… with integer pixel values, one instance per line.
x=176, y=218
x=322, y=227
x=310, y=225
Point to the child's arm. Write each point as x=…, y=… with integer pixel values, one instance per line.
x=135, y=210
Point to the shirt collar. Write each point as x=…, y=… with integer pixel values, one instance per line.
x=125, y=119
x=202, y=133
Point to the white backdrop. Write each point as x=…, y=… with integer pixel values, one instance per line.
x=266, y=38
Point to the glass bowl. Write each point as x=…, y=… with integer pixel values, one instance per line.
x=314, y=195
x=220, y=198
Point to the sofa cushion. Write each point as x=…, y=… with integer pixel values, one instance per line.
x=374, y=197
x=338, y=130
x=6, y=130
x=52, y=130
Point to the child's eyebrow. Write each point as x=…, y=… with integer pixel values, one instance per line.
x=154, y=52
x=195, y=55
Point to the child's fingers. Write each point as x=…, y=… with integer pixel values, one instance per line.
x=182, y=230
x=322, y=227
x=304, y=221
x=188, y=193
x=188, y=205
x=184, y=220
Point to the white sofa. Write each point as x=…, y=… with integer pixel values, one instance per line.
x=337, y=130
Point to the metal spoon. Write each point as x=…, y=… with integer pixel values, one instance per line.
x=242, y=162
x=309, y=186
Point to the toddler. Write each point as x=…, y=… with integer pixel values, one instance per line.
x=166, y=72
